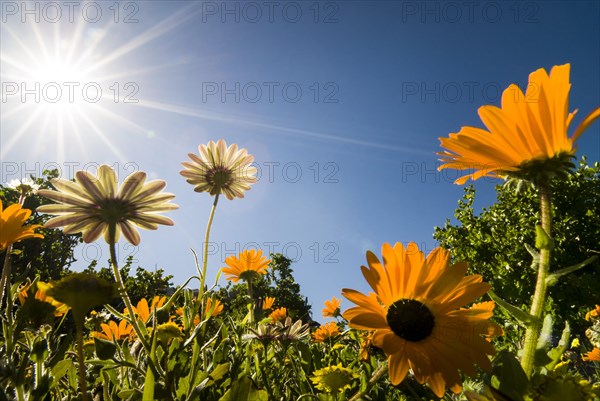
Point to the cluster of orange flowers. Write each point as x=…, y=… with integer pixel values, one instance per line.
x=416, y=311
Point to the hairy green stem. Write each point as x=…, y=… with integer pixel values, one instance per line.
x=539, y=297
x=112, y=227
x=149, y=382
x=5, y=281
x=374, y=379
x=80, y=360
x=205, y=253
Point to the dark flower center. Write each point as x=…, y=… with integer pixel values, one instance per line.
x=115, y=210
x=410, y=319
x=219, y=176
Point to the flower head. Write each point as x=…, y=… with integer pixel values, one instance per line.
x=82, y=292
x=114, y=332
x=333, y=379
x=527, y=136
x=167, y=331
x=91, y=204
x=268, y=303
x=278, y=314
x=248, y=266
x=325, y=331
x=41, y=295
x=593, y=355
x=144, y=311
x=414, y=312
x=24, y=186
x=291, y=331
x=220, y=169
x=593, y=314
x=12, y=229
x=332, y=307
x=213, y=308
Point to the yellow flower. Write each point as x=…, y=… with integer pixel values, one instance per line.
x=593, y=355
x=211, y=310
x=366, y=346
x=332, y=308
x=248, y=266
x=90, y=204
x=327, y=330
x=268, y=303
x=416, y=319
x=82, y=292
x=527, y=136
x=220, y=169
x=41, y=295
x=278, y=314
x=333, y=379
x=114, y=332
x=593, y=314
x=144, y=311
x=11, y=225
x=167, y=331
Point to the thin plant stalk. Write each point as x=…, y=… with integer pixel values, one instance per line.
x=80, y=359
x=6, y=268
x=539, y=297
x=4, y=282
x=134, y=322
x=205, y=253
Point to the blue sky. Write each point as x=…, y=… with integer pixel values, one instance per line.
x=342, y=104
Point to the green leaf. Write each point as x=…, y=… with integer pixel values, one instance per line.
x=104, y=349
x=60, y=369
x=556, y=353
x=220, y=371
x=552, y=279
x=125, y=394
x=244, y=390
x=542, y=239
x=523, y=317
x=509, y=377
x=544, y=342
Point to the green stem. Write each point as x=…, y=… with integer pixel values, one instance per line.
x=539, y=297
x=81, y=360
x=374, y=379
x=149, y=382
x=134, y=322
x=5, y=281
x=199, y=305
x=205, y=253
x=251, y=295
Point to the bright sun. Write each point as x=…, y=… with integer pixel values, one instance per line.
x=75, y=78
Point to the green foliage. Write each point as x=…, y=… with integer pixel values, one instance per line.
x=145, y=284
x=50, y=257
x=494, y=242
x=279, y=283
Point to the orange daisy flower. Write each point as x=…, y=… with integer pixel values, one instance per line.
x=414, y=313
x=527, y=136
x=278, y=314
x=12, y=229
x=327, y=330
x=332, y=307
x=248, y=266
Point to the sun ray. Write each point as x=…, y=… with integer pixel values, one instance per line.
x=213, y=116
x=160, y=29
x=102, y=136
x=17, y=135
